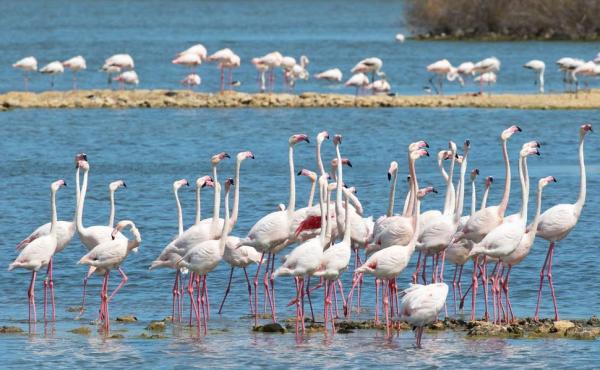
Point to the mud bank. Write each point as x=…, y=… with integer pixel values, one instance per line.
x=121, y=99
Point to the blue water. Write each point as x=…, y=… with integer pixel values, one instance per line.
x=151, y=148
x=336, y=33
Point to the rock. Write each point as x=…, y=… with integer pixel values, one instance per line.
x=156, y=326
x=127, y=318
x=117, y=336
x=82, y=330
x=270, y=328
x=151, y=336
x=10, y=330
x=74, y=309
x=594, y=321
x=438, y=325
x=561, y=326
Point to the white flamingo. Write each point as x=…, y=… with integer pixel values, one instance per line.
x=330, y=75
x=191, y=80
x=358, y=81
x=488, y=67
x=27, y=65
x=369, y=65
x=75, y=64
x=53, y=69
x=127, y=78
x=538, y=67
x=197, y=49
x=421, y=305
x=443, y=70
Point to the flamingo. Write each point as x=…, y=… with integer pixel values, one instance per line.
x=359, y=81
x=90, y=236
x=39, y=253
x=558, y=221
x=202, y=259
x=538, y=67
x=297, y=72
x=330, y=75
x=127, y=78
x=489, y=65
x=304, y=260
x=369, y=65
x=400, y=38
x=109, y=255
x=505, y=238
x=443, y=69
x=488, y=78
x=381, y=86
x=75, y=64
x=27, y=65
x=197, y=49
x=262, y=69
x=273, y=230
x=272, y=60
x=589, y=69
x=465, y=69
x=312, y=176
x=225, y=58
x=488, y=218
x=189, y=60
x=567, y=65
x=421, y=305
x=191, y=80
x=112, y=188
x=525, y=245
x=53, y=69
x=116, y=64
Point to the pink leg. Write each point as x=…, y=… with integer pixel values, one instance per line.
x=424, y=274
x=193, y=307
x=377, y=300
x=206, y=303
x=249, y=290
x=31, y=295
x=344, y=305
x=272, y=281
x=415, y=275
x=298, y=314
x=266, y=293
x=302, y=304
x=454, y=288
x=180, y=297
x=486, y=314
x=222, y=80
x=325, y=306
x=556, y=318
x=349, y=300
x=537, y=307
x=459, y=280
x=360, y=283
x=312, y=314
x=474, y=293
x=505, y=286
x=434, y=268
x=175, y=293
x=266, y=286
x=45, y=284
x=494, y=295
x=51, y=283
x=337, y=311
x=384, y=293
x=226, y=290
x=256, y=290
x=501, y=312
x=332, y=288
x=124, y=279
x=441, y=279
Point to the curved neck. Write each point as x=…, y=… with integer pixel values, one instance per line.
x=473, y=197
x=111, y=217
x=179, y=213
x=291, y=208
x=484, y=198
x=217, y=195
x=328, y=212
x=460, y=202
x=311, y=196
x=319, y=159
x=226, y=225
x=504, y=202
x=53, y=209
x=198, y=207
x=417, y=208
x=582, y=184
x=322, y=199
x=347, y=230
x=390, y=210
x=339, y=182
x=236, y=194
x=406, y=208
x=414, y=185
x=538, y=211
x=524, y=191
x=448, y=206
x=137, y=238
x=77, y=194
x=80, y=227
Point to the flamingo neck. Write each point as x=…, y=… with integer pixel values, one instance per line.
x=217, y=196
x=319, y=159
x=236, y=195
x=448, y=206
x=414, y=185
x=198, y=207
x=339, y=182
x=226, y=225
x=311, y=196
x=179, y=212
x=111, y=217
x=504, y=202
x=460, y=203
x=347, y=230
x=538, y=211
x=524, y=191
x=390, y=210
x=484, y=198
x=322, y=199
x=473, y=197
x=407, y=202
x=328, y=212
x=417, y=207
x=77, y=194
x=137, y=238
x=582, y=184
x=80, y=228
x=54, y=221
x=291, y=208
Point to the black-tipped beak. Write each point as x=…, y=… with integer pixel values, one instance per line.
x=187, y=183
x=307, y=140
x=252, y=156
x=226, y=155
x=538, y=144
x=426, y=144
x=434, y=190
x=299, y=173
x=345, y=186
x=124, y=184
x=84, y=156
x=64, y=183
x=554, y=179
x=389, y=176
x=203, y=185
x=349, y=164
x=113, y=237
x=477, y=171
x=519, y=129
x=468, y=142
x=427, y=153
x=537, y=152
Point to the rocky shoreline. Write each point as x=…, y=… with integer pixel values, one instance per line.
x=122, y=99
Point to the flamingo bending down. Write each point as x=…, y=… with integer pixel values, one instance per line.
x=261, y=68
x=538, y=67
x=489, y=67
x=75, y=64
x=53, y=69
x=225, y=58
x=421, y=305
x=202, y=259
x=465, y=69
x=443, y=69
x=568, y=65
x=197, y=49
x=381, y=86
x=189, y=60
x=127, y=78
x=369, y=65
x=109, y=255
x=273, y=230
x=39, y=253
x=331, y=75
x=359, y=81
x=27, y=65
x=304, y=260
x=191, y=80
x=116, y=64
x=297, y=72
x=558, y=221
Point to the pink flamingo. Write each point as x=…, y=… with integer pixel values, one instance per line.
x=27, y=65
x=421, y=305
x=75, y=64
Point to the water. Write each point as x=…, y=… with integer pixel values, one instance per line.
x=337, y=33
x=150, y=149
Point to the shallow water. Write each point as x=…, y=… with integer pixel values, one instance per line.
x=336, y=33
x=150, y=149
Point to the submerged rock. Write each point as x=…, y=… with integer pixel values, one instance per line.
x=117, y=336
x=82, y=330
x=151, y=336
x=10, y=330
x=270, y=328
x=156, y=326
x=127, y=318
x=561, y=326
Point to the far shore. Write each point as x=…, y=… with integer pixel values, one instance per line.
x=121, y=99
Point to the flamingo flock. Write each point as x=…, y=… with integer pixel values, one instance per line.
x=318, y=241
x=366, y=76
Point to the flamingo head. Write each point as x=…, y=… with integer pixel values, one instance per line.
x=80, y=157
x=546, y=180
x=466, y=146
x=459, y=158
x=204, y=181
x=83, y=164
x=179, y=183
x=506, y=134
x=488, y=181
x=585, y=128
x=418, y=145
x=322, y=136
x=474, y=174
x=113, y=186
x=527, y=150
x=295, y=139
x=337, y=139
x=418, y=154
x=308, y=173
x=424, y=191
x=452, y=146
x=57, y=185
x=345, y=162
x=217, y=158
x=244, y=155
x=120, y=226
x=533, y=144
x=392, y=170
x=229, y=183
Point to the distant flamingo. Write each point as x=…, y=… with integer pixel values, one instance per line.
x=109, y=255
x=262, y=69
x=116, y=64
x=421, y=305
x=197, y=49
x=75, y=64
x=489, y=67
x=465, y=69
x=558, y=221
x=567, y=65
x=127, y=78
x=189, y=60
x=27, y=65
x=39, y=253
x=369, y=65
x=443, y=70
x=359, y=81
x=538, y=67
x=225, y=59
x=381, y=86
x=52, y=69
x=331, y=75
x=191, y=80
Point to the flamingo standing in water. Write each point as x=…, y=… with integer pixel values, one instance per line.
x=75, y=64
x=39, y=253
x=53, y=69
x=538, y=67
x=558, y=221
x=116, y=64
x=27, y=65
x=109, y=255
x=262, y=69
x=273, y=230
x=421, y=305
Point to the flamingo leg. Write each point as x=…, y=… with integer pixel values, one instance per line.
x=474, y=285
x=193, y=306
x=31, y=296
x=124, y=279
x=415, y=275
x=424, y=275
x=266, y=283
x=377, y=300
x=385, y=293
x=175, y=293
x=454, y=288
x=226, y=290
x=325, y=306
x=272, y=281
x=556, y=318
x=297, y=281
x=337, y=312
x=349, y=299
x=249, y=290
x=256, y=289
x=539, y=297
x=505, y=286
x=344, y=305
